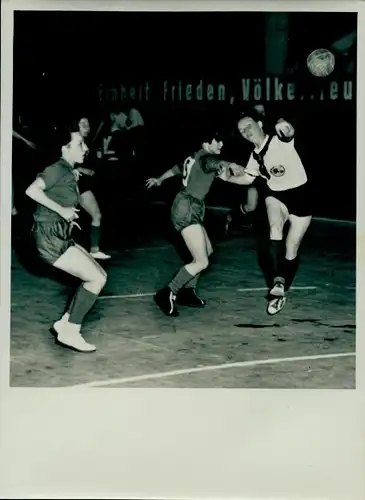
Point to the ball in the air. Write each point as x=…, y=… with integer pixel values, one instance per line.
x=321, y=62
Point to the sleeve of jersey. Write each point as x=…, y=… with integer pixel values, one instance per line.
x=252, y=168
x=283, y=138
x=211, y=164
x=51, y=175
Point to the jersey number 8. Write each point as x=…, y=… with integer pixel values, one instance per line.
x=188, y=164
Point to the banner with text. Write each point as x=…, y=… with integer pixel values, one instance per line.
x=248, y=89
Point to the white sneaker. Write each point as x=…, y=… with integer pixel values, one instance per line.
x=70, y=336
x=60, y=324
x=100, y=255
x=275, y=305
x=278, y=290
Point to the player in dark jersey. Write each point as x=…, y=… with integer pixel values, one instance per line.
x=187, y=214
x=56, y=192
x=87, y=198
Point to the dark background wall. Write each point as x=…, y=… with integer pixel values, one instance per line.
x=61, y=58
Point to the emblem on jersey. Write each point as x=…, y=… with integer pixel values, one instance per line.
x=277, y=171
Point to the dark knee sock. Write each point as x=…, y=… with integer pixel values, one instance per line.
x=179, y=280
x=95, y=237
x=81, y=305
x=291, y=268
x=193, y=282
x=277, y=256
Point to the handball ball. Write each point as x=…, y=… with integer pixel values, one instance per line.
x=321, y=62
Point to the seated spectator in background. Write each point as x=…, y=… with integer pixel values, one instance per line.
x=123, y=147
x=125, y=129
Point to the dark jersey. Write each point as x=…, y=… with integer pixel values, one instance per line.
x=198, y=172
x=61, y=187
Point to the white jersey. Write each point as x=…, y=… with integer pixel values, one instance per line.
x=283, y=165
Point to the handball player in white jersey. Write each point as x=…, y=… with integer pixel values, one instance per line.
x=287, y=198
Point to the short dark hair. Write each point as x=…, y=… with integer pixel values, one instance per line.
x=75, y=125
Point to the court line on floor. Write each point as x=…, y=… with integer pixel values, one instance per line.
x=264, y=289
x=126, y=296
x=149, y=294
x=166, y=247
x=188, y=371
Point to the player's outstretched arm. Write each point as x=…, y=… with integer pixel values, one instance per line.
x=236, y=174
x=21, y=138
x=213, y=164
x=157, y=181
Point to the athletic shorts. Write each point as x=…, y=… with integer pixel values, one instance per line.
x=259, y=183
x=298, y=200
x=86, y=183
x=186, y=211
x=52, y=239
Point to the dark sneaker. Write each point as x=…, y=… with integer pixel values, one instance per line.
x=165, y=300
x=188, y=297
x=275, y=305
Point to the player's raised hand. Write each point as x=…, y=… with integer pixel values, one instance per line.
x=284, y=128
x=153, y=182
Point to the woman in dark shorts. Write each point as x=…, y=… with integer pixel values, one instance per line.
x=87, y=198
x=56, y=192
x=187, y=214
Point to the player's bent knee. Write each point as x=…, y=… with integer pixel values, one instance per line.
x=203, y=264
x=291, y=253
x=102, y=280
x=291, y=250
x=96, y=219
x=98, y=282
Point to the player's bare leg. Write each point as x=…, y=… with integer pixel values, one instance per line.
x=277, y=215
x=91, y=206
x=287, y=263
x=251, y=203
x=78, y=262
x=243, y=213
x=298, y=228
x=195, y=239
x=187, y=295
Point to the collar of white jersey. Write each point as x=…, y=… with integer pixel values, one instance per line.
x=257, y=150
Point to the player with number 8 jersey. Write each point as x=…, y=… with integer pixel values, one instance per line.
x=187, y=214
